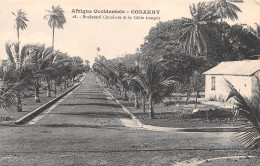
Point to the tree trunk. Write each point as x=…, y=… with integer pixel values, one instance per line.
x=197, y=95
x=197, y=90
x=136, y=101
x=48, y=89
x=143, y=98
x=65, y=85
x=55, y=90
x=18, y=93
x=125, y=96
x=19, y=102
x=151, y=107
x=36, y=96
x=53, y=38
x=18, y=37
x=187, y=98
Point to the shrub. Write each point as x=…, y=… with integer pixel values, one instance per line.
x=217, y=113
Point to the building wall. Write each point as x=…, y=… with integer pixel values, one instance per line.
x=256, y=83
x=242, y=83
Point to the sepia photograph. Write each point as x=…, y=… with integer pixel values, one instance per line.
x=130, y=83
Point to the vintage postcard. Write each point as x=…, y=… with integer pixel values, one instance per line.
x=130, y=82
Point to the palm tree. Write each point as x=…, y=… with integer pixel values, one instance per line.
x=7, y=100
x=102, y=74
x=250, y=109
x=135, y=86
x=56, y=19
x=255, y=31
x=225, y=9
x=198, y=32
x=47, y=68
x=155, y=83
x=58, y=70
x=63, y=64
x=14, y=54
x=112, y=77
x=34, y=60
x=41, y=60
x=18, y=65
x=20, y=19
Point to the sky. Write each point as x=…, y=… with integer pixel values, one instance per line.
x=81, y=37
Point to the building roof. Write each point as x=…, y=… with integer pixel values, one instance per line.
x=240, y=68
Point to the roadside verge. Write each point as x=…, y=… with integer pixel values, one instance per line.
x=138, y=124
x=39, y=110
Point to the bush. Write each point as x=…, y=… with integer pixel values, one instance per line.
x=217, y=113
x=28, y=94
x=180, y=102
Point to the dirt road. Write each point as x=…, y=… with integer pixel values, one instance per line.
x=84, y=129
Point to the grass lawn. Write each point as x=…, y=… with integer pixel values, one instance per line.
x=176, y=114
x=28, y=105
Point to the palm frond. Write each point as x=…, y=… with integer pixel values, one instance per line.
x=55, y=17
x=196, y=32
x=21, y=19
x=250, y=109
x=7, y=101
x=9, y=53
x=225, y=9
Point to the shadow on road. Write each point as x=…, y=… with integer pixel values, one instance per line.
x=89, y=95
x=98, y=114
x=116, y=127
x=94, y=98
x=95, y=104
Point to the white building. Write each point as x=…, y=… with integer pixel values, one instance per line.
x=242, y=74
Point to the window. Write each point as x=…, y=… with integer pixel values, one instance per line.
x=213, y=83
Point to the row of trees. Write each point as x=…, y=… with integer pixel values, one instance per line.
x=191, y=46
x=176, y=53
x=38, y=66
x=33, y=65
x=205, y=34
x=55, y=18
x=152, y=82
x=194, y=45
